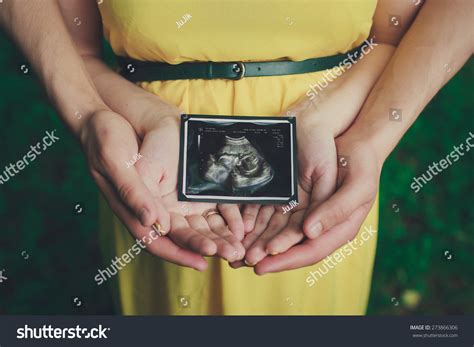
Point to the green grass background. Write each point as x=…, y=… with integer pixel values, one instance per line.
x=37, y=210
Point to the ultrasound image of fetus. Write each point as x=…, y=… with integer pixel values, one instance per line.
x=238, y=165
x=219, y=168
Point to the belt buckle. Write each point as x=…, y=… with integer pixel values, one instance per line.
x=239, y=67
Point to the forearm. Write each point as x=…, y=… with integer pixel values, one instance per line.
x=336, y=106
x=38, y=28
x=433, y=50
x=132, y=102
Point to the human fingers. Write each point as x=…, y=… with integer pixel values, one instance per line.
x=264, y=215
x=289, y=236
x=292, y=232
x=161, y=247
x=355, y=191
x=323, y=185
x=109, y=141
x=224, y=248
x=258, y=250
x=135, y=194
x=151, y=173
x=188, y=236
x=233, y=217
x=229, y=247
x=249, y=215
x=313, y=251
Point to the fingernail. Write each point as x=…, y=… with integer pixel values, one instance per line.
x=248, y=264
x=271, y=253
x=235, y=256
x=315, y=230
x=144, y=215
x=198, y=269
x=248, y=226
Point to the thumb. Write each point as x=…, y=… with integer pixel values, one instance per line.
x=133, y=193
x=353, y=193
x=323, y=187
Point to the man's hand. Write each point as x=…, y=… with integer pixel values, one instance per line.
x=341, y=215
x=274, y=232
x=109, y=142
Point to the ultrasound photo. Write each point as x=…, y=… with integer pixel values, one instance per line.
x=228, y=159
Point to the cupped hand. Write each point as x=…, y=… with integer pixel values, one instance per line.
x=340, y=216
x=158, y=168
x=319, y=122
x=109, y=142
x=275, y=231
x=271, y=234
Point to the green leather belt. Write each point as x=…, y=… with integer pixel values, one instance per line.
x=145, y=71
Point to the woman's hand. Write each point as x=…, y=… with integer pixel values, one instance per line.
x=109, y=142
x=275, y=231
x=158, y=168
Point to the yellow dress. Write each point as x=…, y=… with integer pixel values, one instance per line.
x=237, y=30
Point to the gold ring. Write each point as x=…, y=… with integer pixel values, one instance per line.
x=210, y=212
x=157, y=228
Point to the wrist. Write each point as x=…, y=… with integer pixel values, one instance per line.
x=372, y=136
x=141, y=108
x=76, y=119
x=314, y=121
x=76, y=100
x=312, y=113
x=83, y=130
x=154, y=113
x=335, y=108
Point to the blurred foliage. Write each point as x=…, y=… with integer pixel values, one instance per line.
x=412, y=264
x=39, y=217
